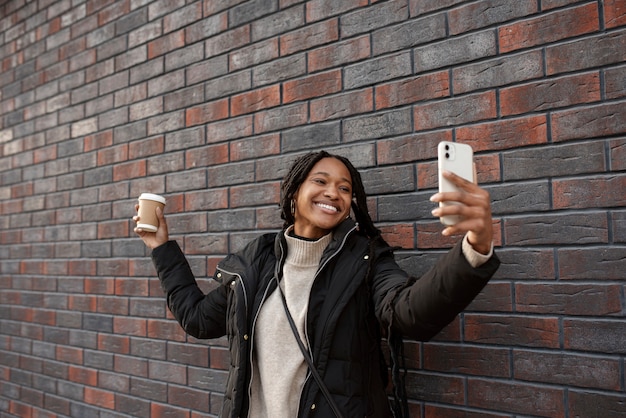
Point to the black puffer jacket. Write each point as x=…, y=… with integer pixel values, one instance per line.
x=345, y=316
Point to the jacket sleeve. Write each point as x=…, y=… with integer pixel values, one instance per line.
x=421, y=307
x=200, y=315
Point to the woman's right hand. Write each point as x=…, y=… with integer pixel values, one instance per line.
x=153, y=239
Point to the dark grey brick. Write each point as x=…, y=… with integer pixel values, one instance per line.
x=311, y=136
x=250, y=11
x=377, y=70
x=376, y=126
x=409, y=34
x=454, y=51
x=554, y=161
x=373, y=17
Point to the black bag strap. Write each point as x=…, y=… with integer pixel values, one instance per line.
x=308, y=359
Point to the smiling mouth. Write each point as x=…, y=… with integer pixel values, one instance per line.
x=327, y=207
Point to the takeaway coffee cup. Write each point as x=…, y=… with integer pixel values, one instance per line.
x=148, y=203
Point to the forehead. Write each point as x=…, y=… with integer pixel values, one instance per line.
x=331, y=167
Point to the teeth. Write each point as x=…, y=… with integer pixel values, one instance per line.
x=329, y=207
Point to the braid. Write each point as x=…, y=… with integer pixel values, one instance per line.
x=298, y=173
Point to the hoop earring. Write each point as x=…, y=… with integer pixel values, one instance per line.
x=293, y=207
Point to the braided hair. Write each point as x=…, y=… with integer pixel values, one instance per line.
x=297, y=175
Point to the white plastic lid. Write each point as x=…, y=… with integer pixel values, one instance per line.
x=150, y=196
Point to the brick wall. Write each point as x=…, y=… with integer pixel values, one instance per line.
x=208, y=102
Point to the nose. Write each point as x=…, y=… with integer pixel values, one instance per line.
x=330, y=191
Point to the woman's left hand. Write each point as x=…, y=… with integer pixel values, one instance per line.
x=474, y=209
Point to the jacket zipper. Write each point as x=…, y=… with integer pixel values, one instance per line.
x=306, y=328
x=256, y=316
x=243, y=286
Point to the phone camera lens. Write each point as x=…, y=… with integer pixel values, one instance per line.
x=447, y=147
x=447, y=155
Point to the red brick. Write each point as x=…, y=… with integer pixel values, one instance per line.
x=315, y=85
x=69, y=354
x=119, y=344
x=169, y=330
x=128, y=286
x=83, y=375
x=594, y=192
x=400, y=235
x=166, y=44
x=113, y=155
x=130, y=326
x=309, y=37
x=341, y=53
x=550, y=27
x=255, y=100
x=162, y=410
x=84, y=303
x=207, y=112
x=550, y=94
x=45, y=154
x=98, y=140
x=505, y=134
x=342, y=105
x=409, y=91
x=207, y=156
x=614, y=13
x=129, y=170
x=219, y=358
x=146, y=147
x=101, y=398
x=113, y=229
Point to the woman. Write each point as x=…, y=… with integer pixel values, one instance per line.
x=330, y=284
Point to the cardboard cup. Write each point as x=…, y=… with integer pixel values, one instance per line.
x=148, y=203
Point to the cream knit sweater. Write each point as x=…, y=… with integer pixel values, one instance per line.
x=279, y=369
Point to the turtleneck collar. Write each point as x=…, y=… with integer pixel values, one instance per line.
x=304, y=252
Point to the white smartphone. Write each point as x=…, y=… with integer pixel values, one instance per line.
x=458, y=159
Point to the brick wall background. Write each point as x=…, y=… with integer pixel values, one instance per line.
x=208, y=102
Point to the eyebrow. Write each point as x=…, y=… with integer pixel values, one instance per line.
x=328, y=175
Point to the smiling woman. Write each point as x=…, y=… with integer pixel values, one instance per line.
x=323, y=199
x=305, y=308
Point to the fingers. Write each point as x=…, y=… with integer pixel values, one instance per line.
x=474, y=209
